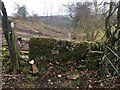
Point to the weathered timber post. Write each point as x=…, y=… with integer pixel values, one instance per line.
x=118, y=16
x=10, y=38
x=0, y=47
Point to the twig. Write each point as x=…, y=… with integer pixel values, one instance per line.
x=8, y=75
x=44, y=76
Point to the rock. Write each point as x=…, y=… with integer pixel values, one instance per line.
x=59, y=76
x=34, y=69
x=73, y=75
x=31, y=62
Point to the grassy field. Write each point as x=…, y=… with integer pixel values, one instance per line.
x=28, y=28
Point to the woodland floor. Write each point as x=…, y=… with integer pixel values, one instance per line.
x=53, y=79
x=72, y=78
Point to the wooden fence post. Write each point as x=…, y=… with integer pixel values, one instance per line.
x=10, y=38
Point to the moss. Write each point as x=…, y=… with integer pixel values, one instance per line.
x=6, y=55
x=24, y=52
x=31, y=77
x=45, y=50
x=25, y=69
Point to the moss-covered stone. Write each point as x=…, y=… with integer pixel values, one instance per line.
x=45, y=50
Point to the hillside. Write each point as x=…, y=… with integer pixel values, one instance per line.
x=29, y=28
x=59, y=21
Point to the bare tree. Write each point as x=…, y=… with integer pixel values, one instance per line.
x=21, y=11
x=85, y=24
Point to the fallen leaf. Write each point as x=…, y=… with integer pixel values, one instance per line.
x=73, y=75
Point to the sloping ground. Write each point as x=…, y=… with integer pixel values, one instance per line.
x=58, y=21
x=28, y=28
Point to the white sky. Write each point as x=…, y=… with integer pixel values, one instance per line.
x=41, y=7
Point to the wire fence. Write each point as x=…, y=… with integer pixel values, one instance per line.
x=110, y=67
